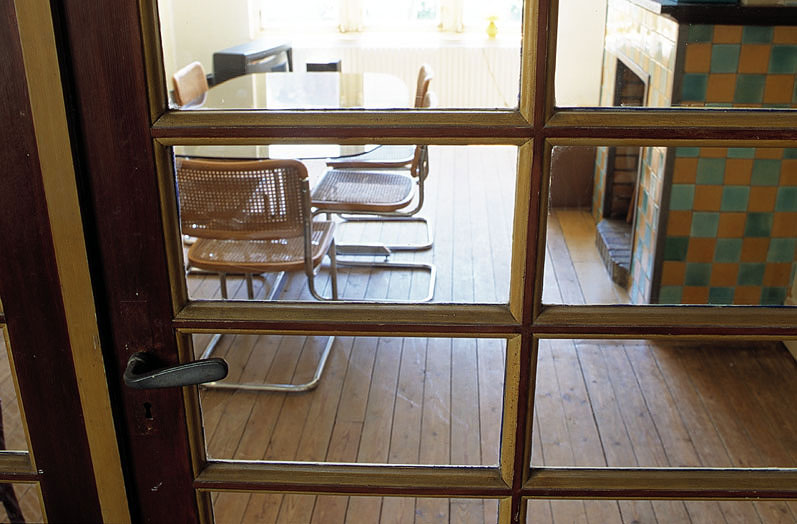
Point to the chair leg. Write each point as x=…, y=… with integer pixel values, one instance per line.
x=223, y=284
x=285, y=388
x=383, y=249
x=333, y=269
x=431, y=268
x=250, y=288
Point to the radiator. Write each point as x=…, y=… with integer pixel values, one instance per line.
x=465, y=76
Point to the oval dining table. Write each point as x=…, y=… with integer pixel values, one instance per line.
x=298, y=91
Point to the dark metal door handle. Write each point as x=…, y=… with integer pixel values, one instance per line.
x=142, y=372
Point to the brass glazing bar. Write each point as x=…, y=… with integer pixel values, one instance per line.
x=754, y=322
x=16, y=466
x=351, y=319
x=452, y=481
x=484, y=126
x=685, y=483
x=685, y=124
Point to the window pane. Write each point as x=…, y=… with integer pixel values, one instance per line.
x=379, y=400
x=252, y=55
x=229, y=508
x=627, y=53
x=274, y=14
x=506, y=13
x=401, y=14
x=685, y=225
x=468, y=200
x=645, y=403
x=611, y=511
x=21, y=503
x=12, y=432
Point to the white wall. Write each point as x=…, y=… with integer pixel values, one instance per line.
x=579, y=52
x=195, y=29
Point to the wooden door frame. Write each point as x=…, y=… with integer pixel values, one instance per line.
x=123, y=124
x=45, y=284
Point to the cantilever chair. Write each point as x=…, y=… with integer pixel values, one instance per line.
x=190, y=85
x=254, y=217
x=392, y=155
x=379, y=191
x=380, y=194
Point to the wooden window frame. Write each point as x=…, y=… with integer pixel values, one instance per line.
x=536, y=126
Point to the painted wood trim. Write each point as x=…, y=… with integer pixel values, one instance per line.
x=519, y=278
x=535, y=298
x=55, y=158
x=38, y=336
x=649, y=483
x=514, y=397
x=602, y=124
x=485, y=127
x=172, y=237
x=739, y=322
x=453, y=481
x=529, y=61
x=351, y=319
x=16, y=466
x=153, y=59
x=104, y=50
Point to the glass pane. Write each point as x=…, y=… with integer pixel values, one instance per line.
x=461, y=233
x=644, y=403
x=268, y=55
x=626, y=511
x=12, y=432
x=20, y=503
x=662, y=54
x=229, y=508
x=685, y=225
x=401, y=13
x=379, y=400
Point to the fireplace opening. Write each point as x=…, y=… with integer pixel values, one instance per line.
x=614, y=238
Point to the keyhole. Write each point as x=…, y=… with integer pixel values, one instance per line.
x=147, y=410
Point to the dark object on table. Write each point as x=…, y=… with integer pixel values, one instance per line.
x=315, y=67
x=257, y=56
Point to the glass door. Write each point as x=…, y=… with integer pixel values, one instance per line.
x=484, y=377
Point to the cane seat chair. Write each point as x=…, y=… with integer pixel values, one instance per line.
x=254, y=217
x=384, y=194
x=381, y=193
x=190, y=85
x=392, y=156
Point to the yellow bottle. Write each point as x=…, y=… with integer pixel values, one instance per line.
x=492, y=29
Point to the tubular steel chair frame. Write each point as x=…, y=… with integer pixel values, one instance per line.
x=236, y=224
x=363, y=211
x=388, y=212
